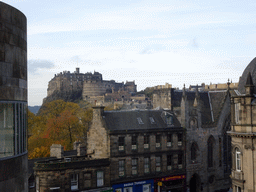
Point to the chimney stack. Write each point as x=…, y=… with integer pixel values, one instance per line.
x=56, y=150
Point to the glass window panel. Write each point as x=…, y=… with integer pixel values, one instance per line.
x=6, y=130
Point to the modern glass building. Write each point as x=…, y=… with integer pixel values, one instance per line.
x=13, y=99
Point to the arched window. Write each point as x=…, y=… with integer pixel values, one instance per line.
x=238, y=159
x=210, y=151
x=193, y=123
x=194, y=149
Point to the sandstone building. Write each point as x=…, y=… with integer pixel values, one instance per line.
x=70, y=171
x=145, y=147
x=88, y=86
x=13, y=99
x=206, y=117
x=243, y=121
x=133, y=150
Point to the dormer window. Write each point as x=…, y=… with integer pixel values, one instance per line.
x=167, y=117
x=152, y=121
x=140, y=120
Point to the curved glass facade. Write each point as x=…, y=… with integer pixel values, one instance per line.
x=13, y=128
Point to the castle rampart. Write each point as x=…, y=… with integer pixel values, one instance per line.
x=89, y=85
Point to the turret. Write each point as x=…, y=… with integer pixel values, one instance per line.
x=249, y=87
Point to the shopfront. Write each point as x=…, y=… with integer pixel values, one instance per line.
x=176, y=183
x=138, y=186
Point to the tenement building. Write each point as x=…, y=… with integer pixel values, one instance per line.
x=13, y=99
x=70, y=171
x=206, y=117
x=243, y=131
x=146, y=149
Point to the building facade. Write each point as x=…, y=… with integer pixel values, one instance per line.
x=206, y=117
x=13, y=99
x=243, y=131
x=145, y=147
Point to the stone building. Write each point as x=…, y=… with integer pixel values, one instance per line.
x=243, y=120
x=13, y=99
x=87, y=86
x=206, y=117
x=70, y=171
x=145, y=148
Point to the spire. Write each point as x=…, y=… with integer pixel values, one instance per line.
x=184, y=91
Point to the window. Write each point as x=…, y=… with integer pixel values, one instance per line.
x=146, y=165
x=158, y=163
x=193, y=123
x=121, y=168
x=37, y=184
x=134, y=142
x=180, y=160
x=74, y=181
x=169, y=140
x=179, y=139
x=134, y=166
x=87, y=180
x=121, y=143
x=194, y=148
x=238, y=160
x=169, y=162
x=140, y=120
x=238, y=189
x=146, y=141
x=169, y=119
x=100, y=178
x=13, y=126
x=237, y=106
x=54, y=189
x=152, y=121
x=158, y=141
x=210, y=151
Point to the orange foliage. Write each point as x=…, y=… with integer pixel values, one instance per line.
x=59, y=123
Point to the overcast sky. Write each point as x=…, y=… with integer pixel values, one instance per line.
x=150, y=41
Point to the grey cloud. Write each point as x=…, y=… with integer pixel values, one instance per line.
x=34, y=65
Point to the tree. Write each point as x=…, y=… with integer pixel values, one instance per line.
x=58, y=122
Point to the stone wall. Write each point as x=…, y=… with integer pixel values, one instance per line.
x=13, y=87
x=98, y=142
x=13, y=54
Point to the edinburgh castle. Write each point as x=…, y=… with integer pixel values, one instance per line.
x=88, y=86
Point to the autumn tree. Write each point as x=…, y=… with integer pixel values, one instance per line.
x=58, y=122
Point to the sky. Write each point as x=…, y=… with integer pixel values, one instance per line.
x=150, y=41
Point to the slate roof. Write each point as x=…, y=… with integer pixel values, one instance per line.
x=250, y=68
x=217, y=99
x=128, y=120
x=212, y=103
